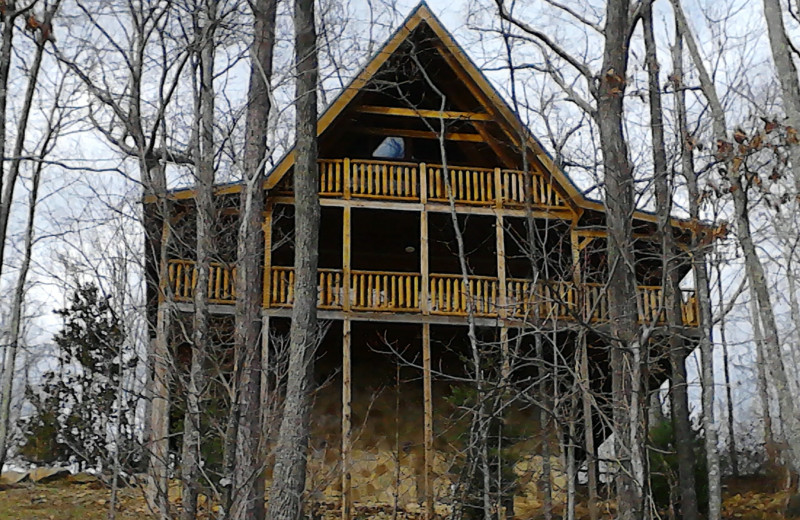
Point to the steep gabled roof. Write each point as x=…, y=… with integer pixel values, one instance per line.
x=506, y=124
x=498, y=110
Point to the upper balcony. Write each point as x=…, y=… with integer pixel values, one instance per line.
x=440, y=294
x=423, y=183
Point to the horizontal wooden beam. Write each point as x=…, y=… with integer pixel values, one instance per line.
x=420, y=134
x=544, y=213
x=420, y=112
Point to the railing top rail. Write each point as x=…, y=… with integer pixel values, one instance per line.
x=459, y=167
x=385, y=273
x=458, y=276
x=380, y=162
x=321, y=269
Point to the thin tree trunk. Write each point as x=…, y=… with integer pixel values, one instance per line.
x=782, y=56
x=5, y=211
x=9, y=183
x=699, y=268
x=619, y=200
x=763, y=383
x=672, y=294
x=588, y=420
x=289, y=475
x=15, y=327
x=191, y=458
x=544, y=424
x=732, y=453
x=248, y=474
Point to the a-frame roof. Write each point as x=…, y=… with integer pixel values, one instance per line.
x=506, y=125
x=465, y=69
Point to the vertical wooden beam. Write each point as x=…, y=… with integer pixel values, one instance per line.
x=424, y=304
x=500, y=238
x=264, y=378
x=346, y=282
x=425, y=282
x=267, y=228
x=428, y=421
x=498, y=188
x=347, y=499
x=576, y=269
x=502, y=289
x=347, y=178
x=423, y=183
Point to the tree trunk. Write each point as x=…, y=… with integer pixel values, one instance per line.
x=699, y=267
x=17, y=304
x=732, y=453
x=619, y=200
x=191, y=458
x=289, y=475
x=763, y=383
x=5, y=211
x=248, y=476
x=672, y=294
x=588, y=420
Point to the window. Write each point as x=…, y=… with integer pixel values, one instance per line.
x=390, y=148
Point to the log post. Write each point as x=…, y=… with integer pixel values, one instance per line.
x=265, y=406
x=346, y=249
x=267, y=226
x=347, y=499
x=428, y=421
x=424, y=303
x=502, y=309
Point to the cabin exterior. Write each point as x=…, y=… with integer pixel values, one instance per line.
x=397, y=174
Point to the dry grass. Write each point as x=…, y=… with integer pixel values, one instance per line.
x=63, y=500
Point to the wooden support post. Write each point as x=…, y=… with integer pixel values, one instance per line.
x=503, y=310
x=346, y=249
x=502, y=287
x=347, y=499
x=347, y=178
x=576, y=270
x=423, y=183
x=265, y=407
x=267, y=228
x=425, y=297
x=498, y=188
x=428, y=422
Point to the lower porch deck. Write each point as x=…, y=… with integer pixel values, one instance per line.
x=400, y=296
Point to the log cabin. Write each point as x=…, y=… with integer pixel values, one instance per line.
x=418, y=154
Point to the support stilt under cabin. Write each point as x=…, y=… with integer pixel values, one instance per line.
x=396, y=380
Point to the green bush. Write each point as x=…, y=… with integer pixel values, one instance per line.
x=664, y=468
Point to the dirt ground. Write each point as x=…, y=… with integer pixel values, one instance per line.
x=751, y=498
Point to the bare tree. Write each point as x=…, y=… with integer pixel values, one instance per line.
x=10, y=15
x=248, y=410
x=670, y=280
x=754, y=267
x=205, y=20
x=289, y=474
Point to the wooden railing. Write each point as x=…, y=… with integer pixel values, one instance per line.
x=330, y=288
x=379, y=291
x=382, y=291
x=512, y=189
x=467, y=185
x=552, y=300
x=449, y=295
x=183, y=279
x=404, y=181
x=384, y=180
x=650, y=298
